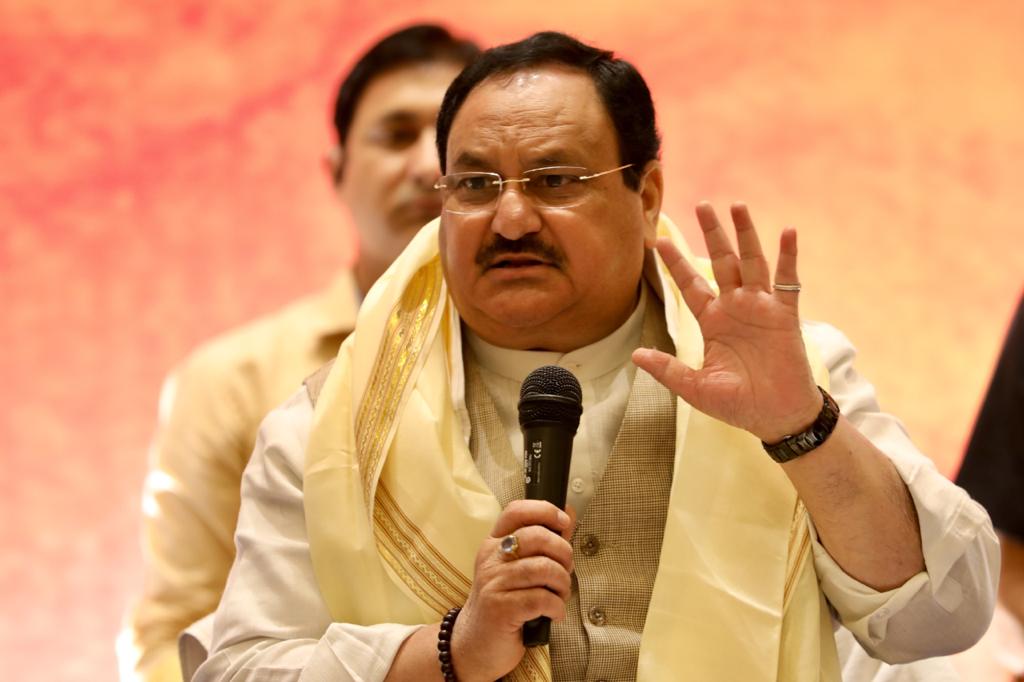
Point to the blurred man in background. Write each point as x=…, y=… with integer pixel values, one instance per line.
x=383, y=169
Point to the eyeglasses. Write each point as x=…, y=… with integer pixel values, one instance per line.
x=548, y=187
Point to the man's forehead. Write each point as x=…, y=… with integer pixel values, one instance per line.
x=412, y=89
x=534, y=156
x=553, y=112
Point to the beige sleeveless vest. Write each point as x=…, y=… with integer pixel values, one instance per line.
x=618, y=539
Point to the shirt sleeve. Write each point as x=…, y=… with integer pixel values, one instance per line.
x=858, y=665
x=190, y=499
x=945, y=608
x=272, y=623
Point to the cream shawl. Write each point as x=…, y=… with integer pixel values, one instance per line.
x=396, y=509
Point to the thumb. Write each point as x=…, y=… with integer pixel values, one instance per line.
x=668, y=370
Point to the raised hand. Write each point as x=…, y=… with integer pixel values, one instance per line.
x=755, y=374
x=510, y=588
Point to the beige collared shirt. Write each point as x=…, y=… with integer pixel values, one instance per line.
x=210, y=410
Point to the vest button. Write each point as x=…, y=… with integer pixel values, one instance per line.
x=590, y=545
x=597, y=616
x=578, y=485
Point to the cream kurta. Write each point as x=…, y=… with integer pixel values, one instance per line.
x=280, y=637
x=210, y=410
x=953, y=599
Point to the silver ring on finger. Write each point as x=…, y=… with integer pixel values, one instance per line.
x=508, y=548
x=786, y=287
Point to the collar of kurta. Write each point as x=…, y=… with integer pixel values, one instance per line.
x=587, y=363
x=336, y=307
x=396, y=509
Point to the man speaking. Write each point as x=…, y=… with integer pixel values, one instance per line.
x=735, y=487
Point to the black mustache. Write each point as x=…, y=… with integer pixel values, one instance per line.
x=530, y=244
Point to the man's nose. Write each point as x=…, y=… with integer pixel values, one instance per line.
x=515, y=215
x=423, y=166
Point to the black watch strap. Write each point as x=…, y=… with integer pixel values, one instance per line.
x=791, y=447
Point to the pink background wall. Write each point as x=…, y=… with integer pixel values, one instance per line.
x=160, y=182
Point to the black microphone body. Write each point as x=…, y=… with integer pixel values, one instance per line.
x=547, y=455
x=550, y=405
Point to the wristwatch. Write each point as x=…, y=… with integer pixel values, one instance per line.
x=791, y=447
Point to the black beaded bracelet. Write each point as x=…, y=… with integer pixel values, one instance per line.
x=444, y=643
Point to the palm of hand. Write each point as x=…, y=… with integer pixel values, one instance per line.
x=755, y=374
x=751, y=344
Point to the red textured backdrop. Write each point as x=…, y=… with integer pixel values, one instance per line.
x=160, y=182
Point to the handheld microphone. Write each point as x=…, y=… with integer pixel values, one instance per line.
x=550, y=405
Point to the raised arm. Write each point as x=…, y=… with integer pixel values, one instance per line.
x=756, y=376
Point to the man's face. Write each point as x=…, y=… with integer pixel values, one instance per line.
x=527, y=277
x=389, y=161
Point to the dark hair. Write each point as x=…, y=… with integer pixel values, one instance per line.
x=410, y=45
x=621, y=87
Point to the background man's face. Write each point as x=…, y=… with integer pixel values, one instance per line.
x=576, y=273
x=390, y=161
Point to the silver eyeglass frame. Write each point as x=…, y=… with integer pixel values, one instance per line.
x=501, y=182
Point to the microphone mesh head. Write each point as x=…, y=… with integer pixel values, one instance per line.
x=552, y=380
x=551, y=393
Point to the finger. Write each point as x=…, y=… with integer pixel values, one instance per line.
x=541, y=541
x=531, y=572
x=723, y=258
x=785, y=271
x=568, y=532
x=669, y=371
x=696, y=291
x=520, y=513
x=753, y=266
x=533, y=603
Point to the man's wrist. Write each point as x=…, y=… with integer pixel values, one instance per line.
x=793, y=445
x=796, y=419
x=466, y=666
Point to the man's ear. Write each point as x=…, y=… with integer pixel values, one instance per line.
x=334, y=164
x=652, y=188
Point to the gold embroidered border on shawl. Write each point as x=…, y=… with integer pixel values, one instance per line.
x=427, y=573
x=799, y=550
x=408, y=552
x=404, y=339
x=403, y=546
